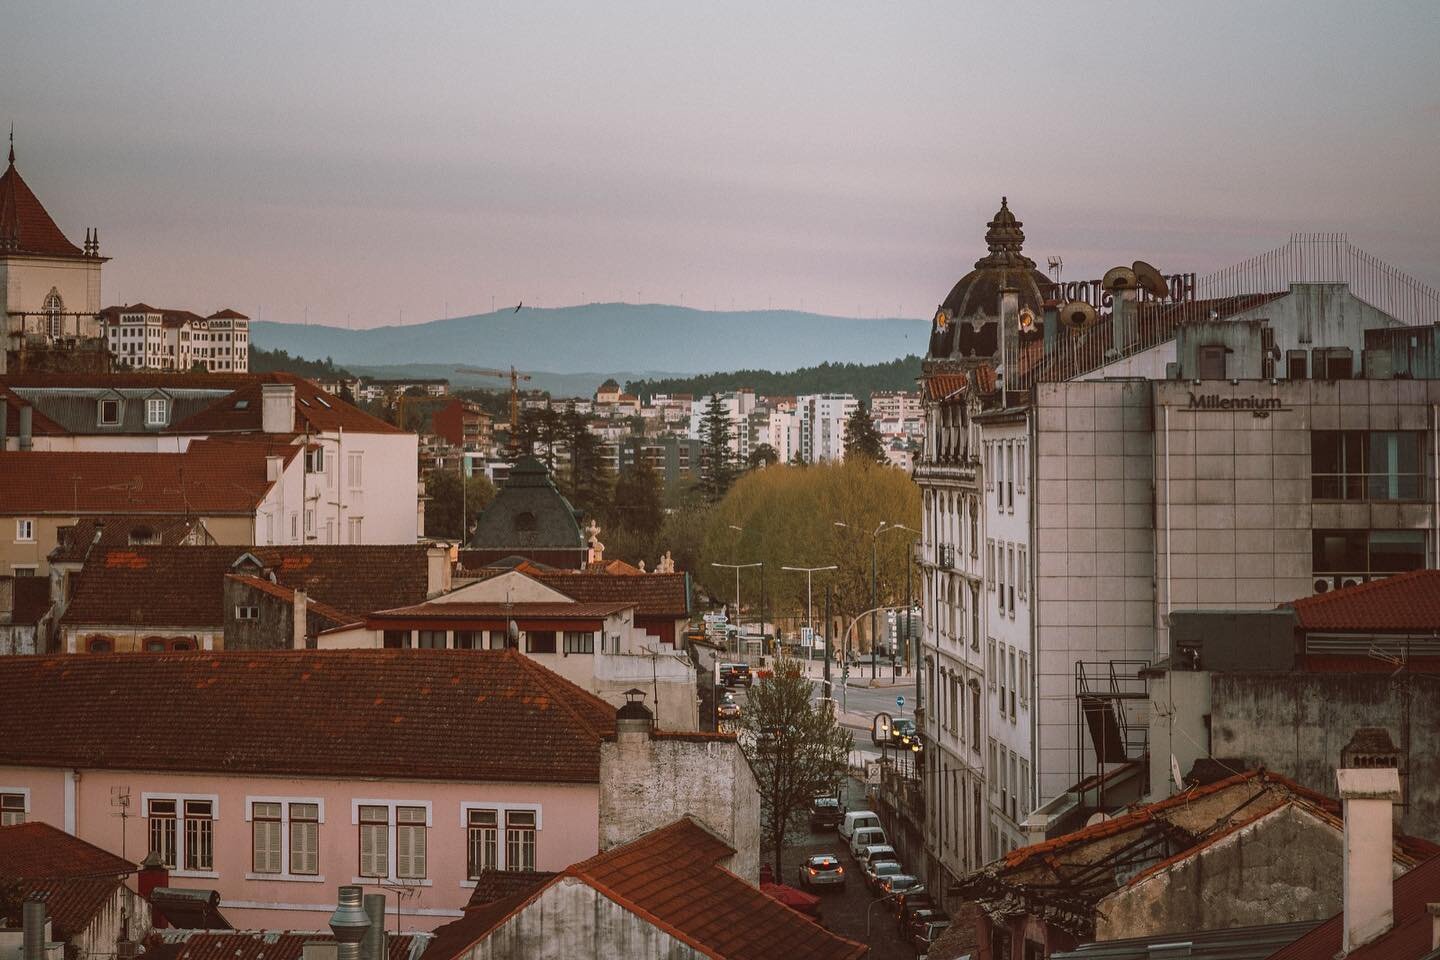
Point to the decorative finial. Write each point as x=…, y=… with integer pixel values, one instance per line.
x=1004, y=202
x=12, y=143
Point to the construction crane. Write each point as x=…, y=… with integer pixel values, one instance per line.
x=514, y=376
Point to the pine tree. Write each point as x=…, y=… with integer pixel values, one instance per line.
x=717, y=462
x=590, y=481
x=862, y=440
x=639, y=504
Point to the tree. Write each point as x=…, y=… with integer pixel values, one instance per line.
x=797, y=749
x=862, y=440
x=639, y=501
x=763, y=456
x=346, y=393
x=590, y=482
x=442, y=510
x=717, y=464
x=683, y=535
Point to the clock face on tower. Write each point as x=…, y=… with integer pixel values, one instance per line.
x=942, y=320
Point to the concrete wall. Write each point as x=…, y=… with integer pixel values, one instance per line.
x=646, y=783
x=572, y=919
x=1287, y=866
x=1179, y=704
x=1094, y=550
x=273, y=630
x=1296, y=724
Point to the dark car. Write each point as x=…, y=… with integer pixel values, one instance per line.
x=881, y=870
x=892, y=884
x=919, y=918
x=822, y=870
x=925, y=936
x=736, y=674
x=825, y=813
x=906, y=904
x=902, y=731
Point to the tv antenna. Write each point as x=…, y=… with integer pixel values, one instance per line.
x=120, y=800
x=1056, y=266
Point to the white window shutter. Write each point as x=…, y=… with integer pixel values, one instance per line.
x=267, y=847
x=404, y=851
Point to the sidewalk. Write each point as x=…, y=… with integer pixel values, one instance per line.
x=859, y=676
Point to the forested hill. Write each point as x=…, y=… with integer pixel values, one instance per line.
x=860, y=379
x=268, y=361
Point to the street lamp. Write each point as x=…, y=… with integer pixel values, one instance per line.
x=809, y=613
x=885, y=527
x=737, y=567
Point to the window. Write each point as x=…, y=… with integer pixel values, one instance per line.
x=1212, y=361
x=1010, y=578
x=199, y=835
x=155, y=412
x=990, y=564
x=992, y=772
x=1361, y=553
x=578, y=641
x=356, y=529
x=1014, y=788
x=246, y=612
x=410, y=842
x=990, y=664
x=1367, y=465
x=540, y=641
x=520, y=839
x=266, y=831
x=13, y=807
x=100, y=645
x=374, y=841
x=24, y=531
x=469, y=639
x=355, y=469
x=431, y=640
x=483, y=833
x=182, y=830
x=109, y=413
x=396, y=639
x=161, y=814
x=1024, y=787
x=1296, y=364
x=315, y=460
x=1024, y=682
x=975, y=617
x=1011, y=672
x=1022, y=572
x=304, y=838
x=1010, y=477
x=1002, y=680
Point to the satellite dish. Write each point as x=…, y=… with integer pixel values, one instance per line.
x=1120, y=278
x=1151, y=280
x=1096, y=818
x=1077, y=315
x=1175, y=773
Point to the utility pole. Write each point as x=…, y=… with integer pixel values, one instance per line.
x=810, y=610
x=737, y=567
x=828, y=692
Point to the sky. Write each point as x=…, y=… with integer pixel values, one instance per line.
x=367, y=164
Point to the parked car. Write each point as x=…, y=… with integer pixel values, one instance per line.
x=907, y=904
x=925, y=937
x=867, y=837
x=736, y=675
x=822, y=870
x=727, y=708
x=896, y=883
x=875, y=853
x=878, y=873
x=856, y=820
x=902, y=731
x=919, y=918
x=825, y=813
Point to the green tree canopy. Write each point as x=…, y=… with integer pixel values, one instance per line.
x=717, y=464
x=763, y=455
x=442, y=510
x=862, y=440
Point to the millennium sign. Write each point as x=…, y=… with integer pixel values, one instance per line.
x=1214, y=403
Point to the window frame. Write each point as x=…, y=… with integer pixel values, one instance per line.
x=500, y=808
x=24, y=529
x=102, y=405
x=181, y=830
x=8, y=812
x=391, y=851
x=288, y=822
x=578, y=642
x=154, y=404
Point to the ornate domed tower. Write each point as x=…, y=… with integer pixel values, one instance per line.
x=966, y=330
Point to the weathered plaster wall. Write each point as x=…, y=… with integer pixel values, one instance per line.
x=647, y=783
x=1296, y=724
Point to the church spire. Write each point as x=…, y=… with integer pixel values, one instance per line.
x=12, y=143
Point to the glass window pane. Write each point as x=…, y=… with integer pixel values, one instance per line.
x=1394, y=551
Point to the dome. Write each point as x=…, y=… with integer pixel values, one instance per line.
x=965, y=323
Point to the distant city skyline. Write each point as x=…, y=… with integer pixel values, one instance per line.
x=355, y=167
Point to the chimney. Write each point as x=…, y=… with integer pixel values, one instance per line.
x=299, y=628
x=153, y=874
x=349, y=923
x=273, y=468
x=375, y=946
x=1122, y=319
x=437, y=560
x=27, y=415
x=634, y=721
x=36, y=933
x=1368, y=796
x=277, y=404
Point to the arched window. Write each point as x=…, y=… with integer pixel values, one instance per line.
x=100, y=645
x=155, y=645
x=54, y=307
x=183, y=645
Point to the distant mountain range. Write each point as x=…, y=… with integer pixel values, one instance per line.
x=598, y=340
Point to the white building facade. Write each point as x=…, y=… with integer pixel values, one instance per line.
x=143, y=337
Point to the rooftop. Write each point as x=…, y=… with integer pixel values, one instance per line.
x=672, y=879
x=25, y=226
x=1402, y=603
x=261, y=944
x=1408, y=939
x=413, y=714
x=78, y=878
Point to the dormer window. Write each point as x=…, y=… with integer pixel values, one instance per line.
x=109, y=413
x=156, y=412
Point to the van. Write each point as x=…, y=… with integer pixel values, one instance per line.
x=854, y=820
x=866, y=837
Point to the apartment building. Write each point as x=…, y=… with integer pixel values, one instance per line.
x=822, y=425
x=143, y=337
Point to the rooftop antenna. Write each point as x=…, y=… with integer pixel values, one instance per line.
x=1056, y=266
x=120, y=799
x=12, y=143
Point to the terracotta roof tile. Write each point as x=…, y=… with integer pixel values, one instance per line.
x=77, y=878
x=671, y=878
x=417, y=714
x=256, y=944
x=461, y=610
x=211, y=477
x=315, y=410
x=652, y=594
x=336, y=617
x=79, y=539
x=40, y=425
x=31, y=599
x=1404, y=602
x=1408, y=939
x=494, y=885
x=25, y=226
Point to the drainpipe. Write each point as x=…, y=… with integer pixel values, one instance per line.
x=27, y=414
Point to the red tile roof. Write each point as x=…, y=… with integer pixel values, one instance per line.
x=136, y=585
x=652, y=594
x=80, y=539
x=25, y=227
x=336, y=617
x=672, y=879
x=315, y=410
x=461, y=610
x=1402, y=603
x=1408, y=939
x=415, y=714
x=256, y=944
x=213, y=477
x=77, y=878
x=227, y=314
x=40, y=425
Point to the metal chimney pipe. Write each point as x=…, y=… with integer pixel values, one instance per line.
x=349, y=923
x=26, y=416
x=33, y=917
x=374, y=946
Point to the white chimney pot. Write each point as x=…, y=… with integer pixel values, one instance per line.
x=1368, y=796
